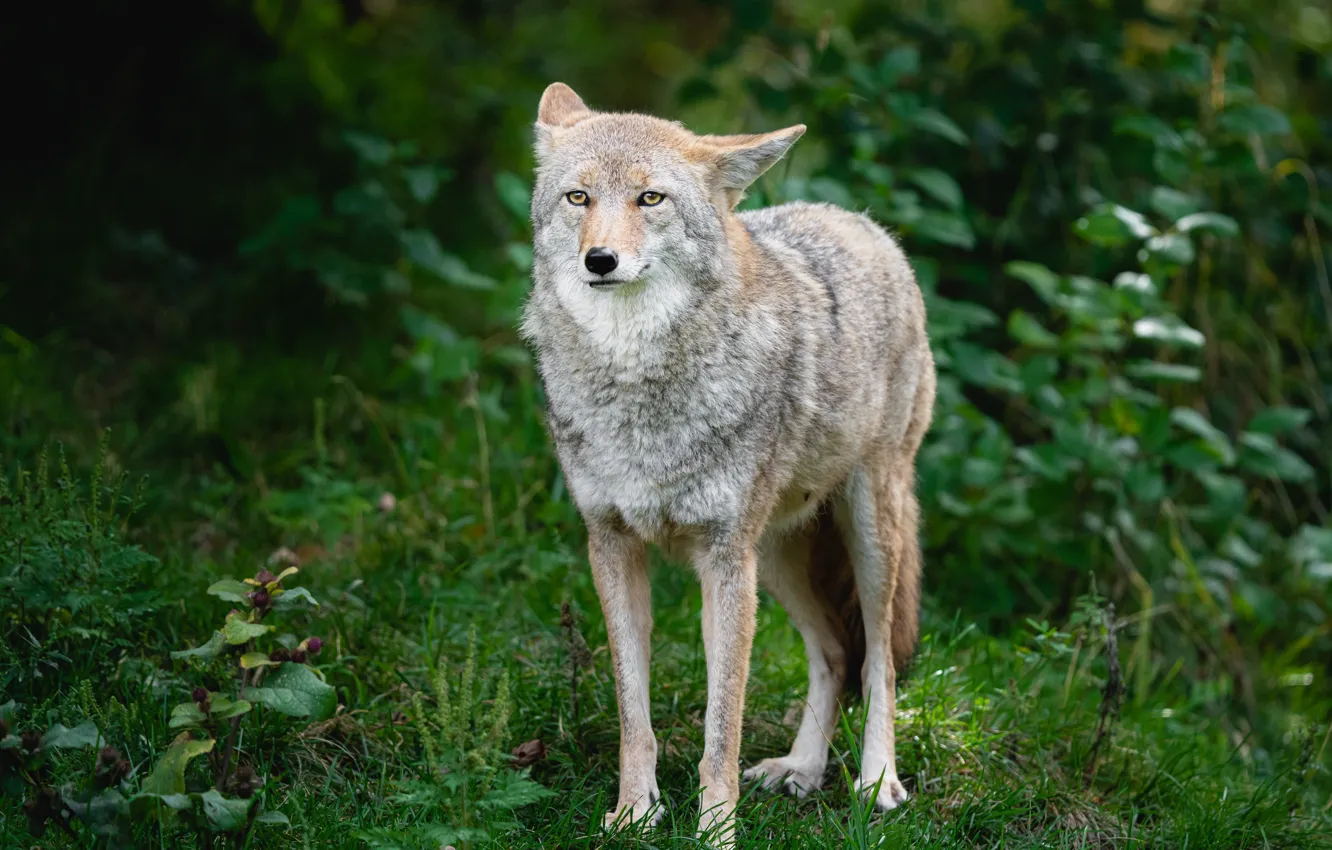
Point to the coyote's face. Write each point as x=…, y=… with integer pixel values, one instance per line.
x=630, y=212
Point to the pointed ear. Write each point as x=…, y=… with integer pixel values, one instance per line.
x=740, y=160
x=560, y=109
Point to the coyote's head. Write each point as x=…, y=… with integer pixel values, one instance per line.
x=630, y=203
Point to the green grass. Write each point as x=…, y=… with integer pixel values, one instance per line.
x=995, y=730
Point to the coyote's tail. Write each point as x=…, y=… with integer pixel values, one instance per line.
x=839, y=583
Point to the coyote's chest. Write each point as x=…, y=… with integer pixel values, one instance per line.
x=674, y=450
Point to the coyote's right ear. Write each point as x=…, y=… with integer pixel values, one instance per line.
x=560, y=109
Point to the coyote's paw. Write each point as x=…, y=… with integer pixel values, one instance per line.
x=793, y=777
x=890, y=793
x=646, y=810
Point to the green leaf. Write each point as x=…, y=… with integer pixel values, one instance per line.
x=237, y=631
x=1174, y=248
x=1026, y=330
x=934, y=121
x=938, y=185
x=1263, y=456
x=175, y=802
x=1168, y=329
x=293, y=597
x=514, y=789
x=187, y=714
x=251, y=660
x=831, y=191
x=1037, y=276
x=1151, y=128
x=424, y=251
x=1208, y=221
x=273, y=817
x=1311, y=545
x=1195, y=423
x=1135, y=282
x=225, y=708
x=1046, y=460
x=1291, y=467
x=225, y=814
x=168, y=777
x=1237, y=549
x=1192, y=456
x=1103, y=227
x=1144, y=483
x=1136, y=222
x=1150, y=370
x=514, y=194
x=949, y=318
x=1225, y=493
x=297, y=690
x=1172, y=203
x=368, y=148
x=83, y=735
x=903, y=61
x=215, y=644
x=985, y=368
x=230, y=590
x=1253, y=118
x=423, y=181
x=947, y=228
x=1280, y=420
x=100, y=812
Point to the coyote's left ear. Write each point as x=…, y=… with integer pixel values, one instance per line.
x=560, y=109
x=740, y=160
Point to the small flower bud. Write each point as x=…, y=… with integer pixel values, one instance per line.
x=260, y=599
x=244, y=773
x=387, y=503
x=200, y=694
x=298, y=656
x=264, y=577
x=313, y=645
x=122, y=769
x=31, y=741
x=108, y=756
x=245, y=790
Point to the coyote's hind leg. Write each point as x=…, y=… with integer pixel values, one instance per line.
x=784, y=571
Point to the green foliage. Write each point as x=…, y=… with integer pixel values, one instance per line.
x=73, y=590
x=467, y=783
x=110, y=805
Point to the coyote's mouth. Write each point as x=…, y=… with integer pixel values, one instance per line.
x=614, y=281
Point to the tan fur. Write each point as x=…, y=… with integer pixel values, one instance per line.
x=748, y=392
x=615, y=226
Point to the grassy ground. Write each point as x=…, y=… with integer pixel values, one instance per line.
x=1004, y=740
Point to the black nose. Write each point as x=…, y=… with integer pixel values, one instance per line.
x=601, y=261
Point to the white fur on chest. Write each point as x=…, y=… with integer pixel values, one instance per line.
x=659, y=425
x=656, y=469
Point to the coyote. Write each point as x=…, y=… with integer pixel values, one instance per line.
x=744, y=390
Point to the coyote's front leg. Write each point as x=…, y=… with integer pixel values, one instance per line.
x=729, y=575
x=619, y=569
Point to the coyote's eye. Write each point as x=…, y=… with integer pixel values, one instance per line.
x=650, y=199
x=577, y=198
